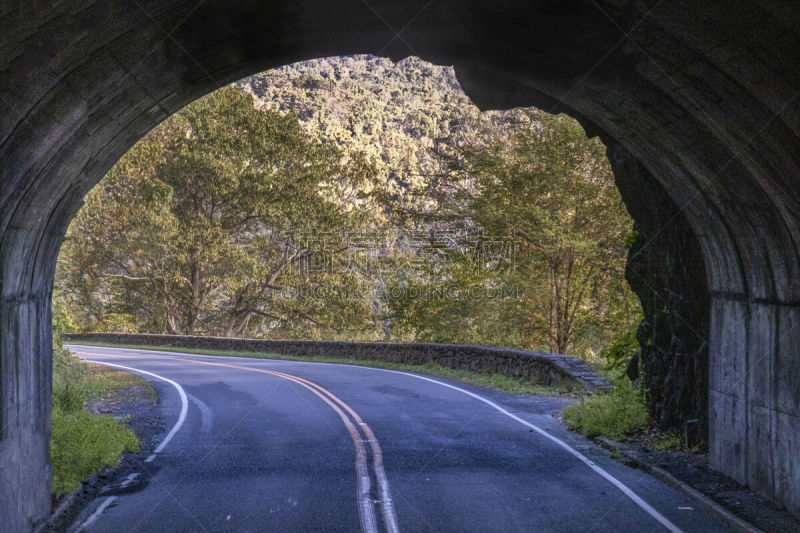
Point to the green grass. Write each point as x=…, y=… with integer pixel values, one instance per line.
x=611, y=414
x=82, y=443
x=100, y=381
x=497, y=382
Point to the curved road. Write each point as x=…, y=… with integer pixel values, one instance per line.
x=267, y=445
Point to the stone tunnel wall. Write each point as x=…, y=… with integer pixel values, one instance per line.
x=542, y=368
x=665, y=269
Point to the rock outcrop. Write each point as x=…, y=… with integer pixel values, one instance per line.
x=665, y=269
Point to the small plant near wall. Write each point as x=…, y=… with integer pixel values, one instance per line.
x=612, y=414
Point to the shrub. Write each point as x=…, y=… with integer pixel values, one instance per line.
x=610, y=414
x=82, y=443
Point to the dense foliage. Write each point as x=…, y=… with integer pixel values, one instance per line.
x=356, y=198
x=209, y=224
x=535, y=230
x=395, y=114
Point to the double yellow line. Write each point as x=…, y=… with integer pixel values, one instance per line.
x=355, y=427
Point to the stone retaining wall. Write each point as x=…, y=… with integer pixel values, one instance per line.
x=546, y=369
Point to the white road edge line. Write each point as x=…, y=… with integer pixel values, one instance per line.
x=184, y=404
x=95, y=515
x=664, y=521
x=366, y=511
x=129, y=479
x=614, y=481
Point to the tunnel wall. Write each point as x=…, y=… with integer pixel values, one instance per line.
x=702, y=94
x=665, y=269
x=542, y=368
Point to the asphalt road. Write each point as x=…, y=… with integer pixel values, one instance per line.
x=265, y=445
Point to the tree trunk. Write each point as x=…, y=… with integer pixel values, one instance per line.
x=195, y=302
x=553, y=333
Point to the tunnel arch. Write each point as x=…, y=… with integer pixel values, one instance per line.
x=700, y=97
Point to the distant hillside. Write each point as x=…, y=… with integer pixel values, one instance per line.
x=393, y=112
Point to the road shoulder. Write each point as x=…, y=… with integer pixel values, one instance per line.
x=139, y=404
x=690, y=474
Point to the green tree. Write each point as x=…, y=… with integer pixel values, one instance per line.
x=207, y=225
x=547, y=189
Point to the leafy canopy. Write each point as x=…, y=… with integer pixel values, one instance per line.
x=203, y=227
x=544, y=192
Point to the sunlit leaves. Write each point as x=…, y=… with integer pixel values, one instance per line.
x=542, y=184
x=196, y=229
